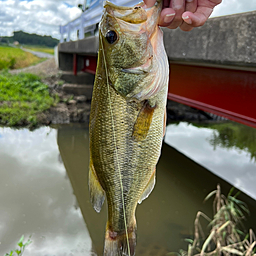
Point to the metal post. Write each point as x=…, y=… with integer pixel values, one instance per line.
x=81, y=29
x=75, y=64
x=69, y=30
x=61, y=35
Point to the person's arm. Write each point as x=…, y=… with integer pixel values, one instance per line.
x=185, y=14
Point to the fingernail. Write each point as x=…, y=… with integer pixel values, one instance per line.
x=187, y=20
x=189, y=1
x=169, y=17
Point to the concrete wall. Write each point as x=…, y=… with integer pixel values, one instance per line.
x=87, y=46
x=226, y=40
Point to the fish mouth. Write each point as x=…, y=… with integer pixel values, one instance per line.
x=137, y=14
x=143, y=69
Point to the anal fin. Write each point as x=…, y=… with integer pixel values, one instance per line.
x=97, y=194
x=143, y=122
x=149, y=187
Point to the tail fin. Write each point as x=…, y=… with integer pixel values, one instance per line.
x=117, y=244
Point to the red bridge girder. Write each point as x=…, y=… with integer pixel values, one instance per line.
x=226, y=92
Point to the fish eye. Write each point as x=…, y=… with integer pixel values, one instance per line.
x=111, y=36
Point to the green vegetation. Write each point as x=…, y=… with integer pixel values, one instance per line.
x=232, y=135
x=30, y=39
x=22, y=98
x=226, y=236
x=11, y=58
x=229, y=135
x=22, y=246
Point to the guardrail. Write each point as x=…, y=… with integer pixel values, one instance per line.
x=89, y=19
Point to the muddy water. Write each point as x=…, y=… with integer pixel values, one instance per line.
x=36, y=197
x=44, y=191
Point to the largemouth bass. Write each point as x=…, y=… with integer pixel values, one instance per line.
x=127, y=118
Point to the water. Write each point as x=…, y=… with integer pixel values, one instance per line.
x=227, y=149
x=44, y=190
x=36, y=196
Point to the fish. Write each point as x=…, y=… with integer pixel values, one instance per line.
x=127, y=119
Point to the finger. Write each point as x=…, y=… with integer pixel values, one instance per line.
x=191, y=5
x=179, y=7
x=198, y=18
x=166, y=17
x=185, y=27
x=149, y=3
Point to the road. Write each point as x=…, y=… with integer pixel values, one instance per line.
x=38, y=54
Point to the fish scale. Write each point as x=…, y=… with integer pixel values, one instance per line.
x=126, y=122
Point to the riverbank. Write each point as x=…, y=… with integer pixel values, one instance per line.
x=65, y=108
x=69, y=108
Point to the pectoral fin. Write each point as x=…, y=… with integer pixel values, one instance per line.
x=148, y=189
x=143, y=122
x=97, y=194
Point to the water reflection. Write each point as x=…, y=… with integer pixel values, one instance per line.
x=167, y=216
x=227, y=149
x=35, y=197
x=37, y=192
x=73, y=144
x=233, y=135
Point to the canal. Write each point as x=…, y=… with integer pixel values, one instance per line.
x=44, y=190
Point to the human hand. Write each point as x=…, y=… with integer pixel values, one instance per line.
x=185, y=14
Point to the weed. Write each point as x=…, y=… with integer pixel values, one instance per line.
x=226, y=236
x=22, y=246
x=22, y=97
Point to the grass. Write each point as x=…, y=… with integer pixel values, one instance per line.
x=225, y=236
x=22, y=246
x=22, y=98
x=40, y=49
x=14, y=58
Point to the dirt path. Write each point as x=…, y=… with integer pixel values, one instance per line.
x=38, y=54
x=44, y=69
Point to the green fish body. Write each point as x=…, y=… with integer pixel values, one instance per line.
x=127, y=120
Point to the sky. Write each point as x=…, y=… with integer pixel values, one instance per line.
x=44, y=16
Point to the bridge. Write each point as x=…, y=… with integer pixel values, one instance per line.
x=87, y=22
x=212, y=68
